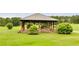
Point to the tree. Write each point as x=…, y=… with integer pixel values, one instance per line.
x=62, y=18
x=15, y=20
x=7, y=20
x=2, y=21
x=75, y=19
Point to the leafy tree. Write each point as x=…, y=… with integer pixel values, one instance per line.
x=7, y=20
x=75, y=19
x=62, y=18
x=15, y=21
x=2, y=21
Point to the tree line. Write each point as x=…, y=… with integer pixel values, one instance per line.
x=69, y=19
x=14, y=20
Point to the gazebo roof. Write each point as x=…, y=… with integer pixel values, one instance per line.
x=39, y=17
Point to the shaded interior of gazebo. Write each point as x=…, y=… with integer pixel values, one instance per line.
x=39, y=19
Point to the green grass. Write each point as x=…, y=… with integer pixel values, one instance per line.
x=13, y=38
x=75, y=27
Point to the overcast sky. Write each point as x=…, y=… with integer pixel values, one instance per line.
x=27, y=14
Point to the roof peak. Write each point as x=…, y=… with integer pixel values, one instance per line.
x=39, y=16
x=37, y=13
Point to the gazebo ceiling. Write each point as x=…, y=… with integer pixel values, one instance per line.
x=40, y=17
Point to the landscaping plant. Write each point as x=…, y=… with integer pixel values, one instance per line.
x=9, y=26
x=33, y=30
x=64, y=28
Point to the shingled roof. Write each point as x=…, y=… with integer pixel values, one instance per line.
x=40, y=17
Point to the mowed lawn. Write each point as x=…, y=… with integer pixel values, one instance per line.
x=13, y=38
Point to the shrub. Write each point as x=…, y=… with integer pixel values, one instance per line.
x=64, y=28
x=33, y=30
x=29, y=25
x=9, y=25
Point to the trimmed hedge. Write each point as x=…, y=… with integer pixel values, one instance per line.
x=9, y=26
x=64, y=28
x=33, y=30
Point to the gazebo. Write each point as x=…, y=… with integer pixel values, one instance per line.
x=38, y=18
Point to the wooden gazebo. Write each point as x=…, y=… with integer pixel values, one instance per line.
x=37, y=18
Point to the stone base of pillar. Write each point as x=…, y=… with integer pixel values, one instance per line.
x=22, y=24
x=22, y=31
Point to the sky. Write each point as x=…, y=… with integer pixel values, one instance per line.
x=27, y=14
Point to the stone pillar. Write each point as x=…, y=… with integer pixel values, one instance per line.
x=51, y=29
x=53, y=25
x=22, y=24
x=39, y=29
